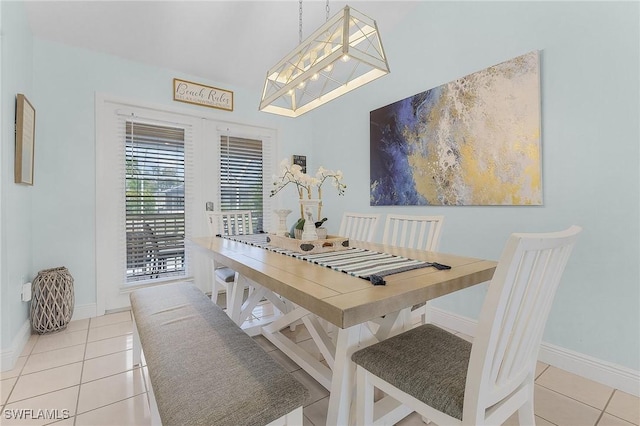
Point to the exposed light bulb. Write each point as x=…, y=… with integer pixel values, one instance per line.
x=290, y=92
x=328, y=68
x=345, y=58
x=315, y=77
x=302, y=84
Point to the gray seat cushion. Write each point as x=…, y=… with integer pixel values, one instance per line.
x=204, y=369
x=426, y=362
x=226, y=274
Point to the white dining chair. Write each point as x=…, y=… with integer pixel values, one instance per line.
x=359, y=226
x=451, y=381
x=416, y=232
x=230, y=222
x=410, y=231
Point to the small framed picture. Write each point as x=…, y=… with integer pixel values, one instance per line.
x=300, y=160
x=25, y=140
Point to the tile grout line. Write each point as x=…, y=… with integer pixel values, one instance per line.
x=570, y=397
x=20, y=372
x=605, y=407
x=145, y=392
x=86, y=342
x=546, y=420
x=541, y=373
x=111, y=403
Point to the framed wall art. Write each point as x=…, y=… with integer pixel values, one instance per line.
x=300, y=160
x=25, y=140
x=473, y=141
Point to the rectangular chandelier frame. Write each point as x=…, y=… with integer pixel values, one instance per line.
x=343, y=54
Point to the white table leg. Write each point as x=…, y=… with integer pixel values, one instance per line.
x=240, y=311
x=309, y=363
x=234, y=298
x=343, y=378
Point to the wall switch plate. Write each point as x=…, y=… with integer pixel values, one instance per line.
x=26, y=292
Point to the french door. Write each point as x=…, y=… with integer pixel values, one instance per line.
x=156, y=173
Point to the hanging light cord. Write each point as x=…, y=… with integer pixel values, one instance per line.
x=300, y=22
x=300, y=18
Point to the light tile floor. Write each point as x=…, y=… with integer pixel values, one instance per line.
x=84, y=375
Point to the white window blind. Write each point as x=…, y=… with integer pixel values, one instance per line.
x=242, y=177
x=154, y=201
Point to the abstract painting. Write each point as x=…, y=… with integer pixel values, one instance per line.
x=473, y=141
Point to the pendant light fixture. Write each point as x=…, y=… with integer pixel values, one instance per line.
x=343, y=54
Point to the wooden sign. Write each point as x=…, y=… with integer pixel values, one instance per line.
x=199, y=94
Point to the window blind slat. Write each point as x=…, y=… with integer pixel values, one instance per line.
x=242, y=176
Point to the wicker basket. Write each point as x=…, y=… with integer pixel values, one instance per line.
x=52, y=301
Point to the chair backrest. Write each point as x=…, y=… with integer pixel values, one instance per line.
x=513, y=317
x=359, y=226
x=418, y=232
x=230, y=222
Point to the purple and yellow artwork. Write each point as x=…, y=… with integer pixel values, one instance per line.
x=473, y=141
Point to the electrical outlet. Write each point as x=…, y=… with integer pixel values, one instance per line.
x=26, y=292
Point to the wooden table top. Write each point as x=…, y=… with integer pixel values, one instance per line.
x=342, y=299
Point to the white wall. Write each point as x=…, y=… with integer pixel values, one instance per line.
x=16, y=200
x=590, y=139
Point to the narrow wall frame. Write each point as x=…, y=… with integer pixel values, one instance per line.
x=25, y=140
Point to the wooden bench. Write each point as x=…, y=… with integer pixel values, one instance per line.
x=203, y=368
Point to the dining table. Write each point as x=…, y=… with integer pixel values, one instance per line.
x=342, y=312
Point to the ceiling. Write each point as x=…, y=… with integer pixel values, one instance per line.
x=228, y=42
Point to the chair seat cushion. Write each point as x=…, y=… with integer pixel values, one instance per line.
x=426, y=362
x=226, y=274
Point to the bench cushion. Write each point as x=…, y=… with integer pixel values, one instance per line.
x=204, y=369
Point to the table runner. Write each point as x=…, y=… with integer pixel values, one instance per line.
x=366, y=264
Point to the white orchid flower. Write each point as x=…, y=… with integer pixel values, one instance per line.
x=292, y=173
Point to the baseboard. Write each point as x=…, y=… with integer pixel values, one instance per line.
x=458, y=323
x=84, y=311
x=615, y=376
x=8, y=357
